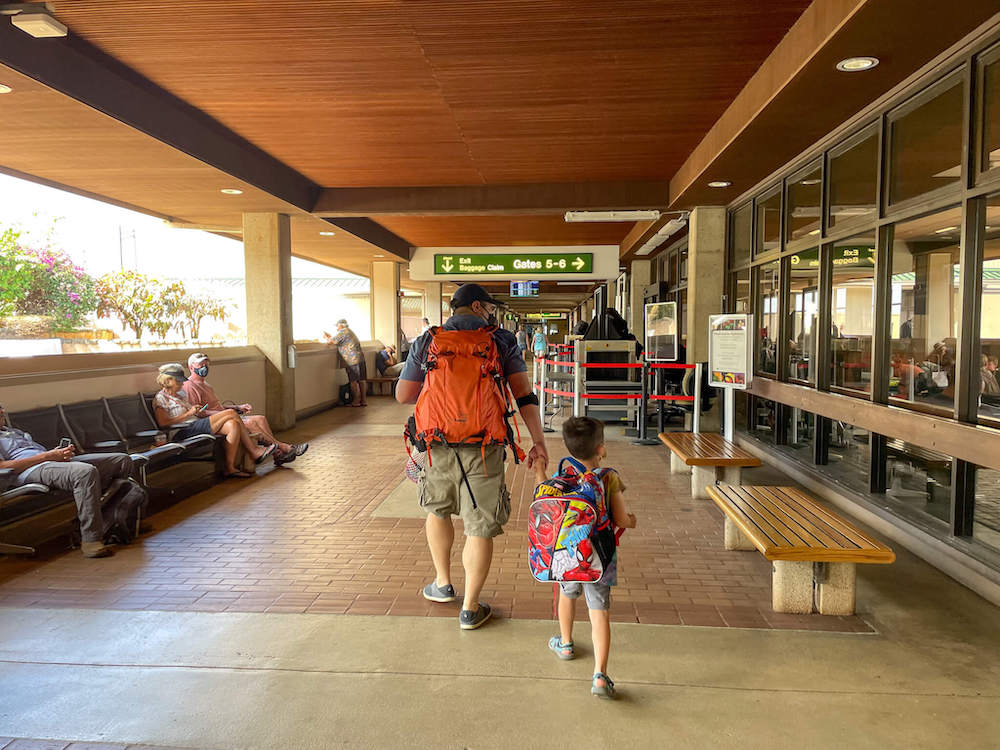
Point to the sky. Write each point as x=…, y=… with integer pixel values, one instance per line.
x=101, y=237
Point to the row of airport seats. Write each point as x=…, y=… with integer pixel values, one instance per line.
x=33, y=513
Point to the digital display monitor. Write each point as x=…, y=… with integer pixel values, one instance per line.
x=524, y=289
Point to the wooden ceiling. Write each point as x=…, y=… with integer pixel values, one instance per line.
x=501, y=231
x=391, y=92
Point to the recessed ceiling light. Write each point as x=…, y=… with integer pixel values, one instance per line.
x=720, y=183
x=5, y=89
x=945, y=230
x=327, y=234
x=814, y=232
x=637, y=215
x=231, y=191
x=856, y=64
x=813, y=181
x=378, y=256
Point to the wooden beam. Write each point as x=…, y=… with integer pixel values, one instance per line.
x=375, y=234
x=978, y=445
x=481, y=200
x=81, y=71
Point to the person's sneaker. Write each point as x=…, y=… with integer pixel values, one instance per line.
x=602, y=686
x=471, y=619
x=96, y=549
x=435, y=593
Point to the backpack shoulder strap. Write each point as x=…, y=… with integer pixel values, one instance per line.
x=574, y=463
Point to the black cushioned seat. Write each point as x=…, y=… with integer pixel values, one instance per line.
x=46, y=426
x=92, y=427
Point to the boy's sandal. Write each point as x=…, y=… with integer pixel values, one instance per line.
x=240, y=474
x=560, y=649
x=603, y=687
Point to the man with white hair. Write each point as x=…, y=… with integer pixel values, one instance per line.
x=349, y=348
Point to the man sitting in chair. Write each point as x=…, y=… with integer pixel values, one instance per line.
x=86, y=476
x=200, y=393
x=387, y=364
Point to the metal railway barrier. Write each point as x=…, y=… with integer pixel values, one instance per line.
x=540, y=383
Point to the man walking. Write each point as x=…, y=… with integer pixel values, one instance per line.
x=466, y=477
x=350, y=351
x=86, y=476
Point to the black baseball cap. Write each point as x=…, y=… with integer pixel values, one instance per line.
x=469, y=293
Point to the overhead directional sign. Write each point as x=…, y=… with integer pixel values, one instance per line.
x=507, y=264
x=515, y=263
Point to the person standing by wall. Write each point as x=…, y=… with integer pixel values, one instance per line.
x=468, y=480
x=349, y=348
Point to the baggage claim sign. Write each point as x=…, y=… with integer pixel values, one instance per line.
x=508, y=265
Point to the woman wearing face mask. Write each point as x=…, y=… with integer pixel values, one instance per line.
x=200, y=393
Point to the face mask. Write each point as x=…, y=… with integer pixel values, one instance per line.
x=202, y=371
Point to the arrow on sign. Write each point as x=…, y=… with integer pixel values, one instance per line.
x=446, y=264
x=578, y=263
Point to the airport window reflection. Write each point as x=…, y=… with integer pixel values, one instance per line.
x=925, y=309
x=926, y=145
x=849, y=455
x=803, y=210
x=989, y=322
x=765, y=419
x=853, y=180
x=769, y=222
x=852, y=312
x=767, y=322
x=803, y=313
x=918, y=479
x=990, y=158
x=986, y=510
x=741, y=239
x=801, y=428
x=741, y=291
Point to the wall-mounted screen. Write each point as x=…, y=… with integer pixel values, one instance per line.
x=524, y=289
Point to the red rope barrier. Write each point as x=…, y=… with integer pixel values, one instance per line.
x=670, y=366
x=556, y=363
x=560, y=393
x=570, y=394
x=671, y=398
x=612, y=365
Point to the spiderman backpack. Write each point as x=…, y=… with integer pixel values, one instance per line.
x=570, y=534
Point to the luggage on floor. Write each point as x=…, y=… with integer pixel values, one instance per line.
x=123, y=507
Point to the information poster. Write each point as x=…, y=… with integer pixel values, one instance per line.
x=729, y=351
x=661, y=332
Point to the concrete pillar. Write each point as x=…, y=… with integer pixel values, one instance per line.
x=267, y=251
x=640, y=276
x=432, y=302
x=732, y=475
x=706, y=283
x=385, y=302
x=701, y=478
x=835, y=591
x=735, y=539
x=677, y=465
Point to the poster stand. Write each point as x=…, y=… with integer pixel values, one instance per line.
x=729, y=361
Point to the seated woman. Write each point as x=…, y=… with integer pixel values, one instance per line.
x=172, y=408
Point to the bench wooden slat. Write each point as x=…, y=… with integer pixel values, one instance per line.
x=786, y=524
x=707, y=449
x=811, y=531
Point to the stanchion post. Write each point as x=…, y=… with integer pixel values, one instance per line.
x=729, y=428
x=577, y=390
x=534, y=375
x=661, y=417
x=542, y=395
x=696, y=419
x=640, y=416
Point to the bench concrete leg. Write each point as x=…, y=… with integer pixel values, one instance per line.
x=792, y=586
x=835, y=592
x=677, y=466
x=701, y=477
x=735, y=538
x=732, y=475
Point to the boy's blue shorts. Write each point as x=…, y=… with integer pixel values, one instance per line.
x=598, y=595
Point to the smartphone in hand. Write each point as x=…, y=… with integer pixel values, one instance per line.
x=65, y=443
x=201, y=409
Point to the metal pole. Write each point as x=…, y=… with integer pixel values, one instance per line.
x=660, y=409
x=729, y=428
x=534, y=376
x=541, y=393
x=696, y=419
x=913, y=382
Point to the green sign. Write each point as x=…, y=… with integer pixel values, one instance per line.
x=544, y=316
x=845, y=255
x=508, y=264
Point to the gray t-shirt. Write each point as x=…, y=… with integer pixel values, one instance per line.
x=17, y=444
x=510, y=356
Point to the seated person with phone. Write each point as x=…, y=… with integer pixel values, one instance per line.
x=86, y=476
x=199, y=392
x=172, y=408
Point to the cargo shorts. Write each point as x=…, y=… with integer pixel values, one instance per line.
x=443, y=491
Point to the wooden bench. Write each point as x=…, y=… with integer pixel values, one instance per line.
x=807, y=544
x=707, y=456
x=379, y=380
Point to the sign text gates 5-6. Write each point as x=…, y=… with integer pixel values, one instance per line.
x=508, y=264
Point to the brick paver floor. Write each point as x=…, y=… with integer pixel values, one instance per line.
x=302, y=539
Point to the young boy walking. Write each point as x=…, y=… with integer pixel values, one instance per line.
x=584, y=439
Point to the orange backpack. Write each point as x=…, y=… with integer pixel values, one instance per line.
x=465, y=399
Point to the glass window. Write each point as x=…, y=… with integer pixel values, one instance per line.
x=989, y=323
x=926, y=145
x=764, y=419
x=849, y=457
x=803, y=210
x=803, y=314
x=986, y=511
x=990, y=157
x=919, y=479
x=926, y=308
x=767, y=311
x=769, y=222
x=853, y=180
x=682, y=300
x=682, y=265
x=741, y=239
x=853, y=312
x=801, y=427
x=741, y=291
x=671, y=274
